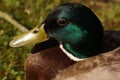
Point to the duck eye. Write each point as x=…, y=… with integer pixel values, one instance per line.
x=62, y=22
x=35, y=31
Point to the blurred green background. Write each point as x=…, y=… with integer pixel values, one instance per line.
x=30, y=13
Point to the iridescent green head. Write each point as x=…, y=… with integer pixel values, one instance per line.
x=76, y=27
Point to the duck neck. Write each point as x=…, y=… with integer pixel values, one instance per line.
x=79, y=52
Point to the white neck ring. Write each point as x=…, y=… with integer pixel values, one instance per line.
x=70, y=55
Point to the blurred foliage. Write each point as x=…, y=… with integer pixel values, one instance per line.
x=30, y=13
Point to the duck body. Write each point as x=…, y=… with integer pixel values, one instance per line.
x=44, y=64
x=70, y=33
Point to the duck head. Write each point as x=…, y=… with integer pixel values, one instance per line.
x=75, y=26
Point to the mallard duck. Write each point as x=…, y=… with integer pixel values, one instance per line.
x=70, y=33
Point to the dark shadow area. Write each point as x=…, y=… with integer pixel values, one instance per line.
x=44, y=45
x=111, y=40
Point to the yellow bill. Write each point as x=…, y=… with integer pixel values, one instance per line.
x=34, y=36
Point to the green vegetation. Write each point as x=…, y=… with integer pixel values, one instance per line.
x=30, y=13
